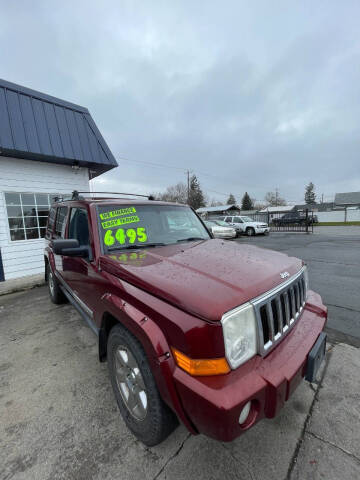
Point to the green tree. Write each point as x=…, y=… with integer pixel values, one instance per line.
x=196, y=196
x=231, y=200
x=246, y=202
x=310, y=196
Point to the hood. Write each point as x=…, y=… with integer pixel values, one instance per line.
x=206, y=278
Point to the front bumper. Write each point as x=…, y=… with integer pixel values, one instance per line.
x=225, y=234
x=213, y=404
x=262, y=230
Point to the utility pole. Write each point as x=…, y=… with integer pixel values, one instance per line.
x=188, y=186
x=322, y=198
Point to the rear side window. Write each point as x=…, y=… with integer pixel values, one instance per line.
x=228, y=219
x=51, y=219
x=60, y=222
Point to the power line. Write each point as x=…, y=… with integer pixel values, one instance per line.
x=152, y=164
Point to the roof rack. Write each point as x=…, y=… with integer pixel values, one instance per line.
x=76, y=194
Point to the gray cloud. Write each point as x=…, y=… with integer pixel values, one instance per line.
x=250, y=98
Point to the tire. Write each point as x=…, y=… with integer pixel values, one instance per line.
x=136, y=393
x=250, y=231
x=55, y=293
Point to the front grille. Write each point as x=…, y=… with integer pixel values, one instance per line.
x=278, y=310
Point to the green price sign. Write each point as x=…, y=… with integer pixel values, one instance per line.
x=121, y=236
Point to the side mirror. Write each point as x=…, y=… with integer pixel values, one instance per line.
x=70, y=248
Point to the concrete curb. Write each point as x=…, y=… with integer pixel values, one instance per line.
x=21, y=284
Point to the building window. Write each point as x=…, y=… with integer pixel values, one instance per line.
x=27, y=214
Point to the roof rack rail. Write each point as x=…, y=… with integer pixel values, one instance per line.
x=76, y=196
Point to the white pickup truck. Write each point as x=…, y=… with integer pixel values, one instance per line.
x=246, y=225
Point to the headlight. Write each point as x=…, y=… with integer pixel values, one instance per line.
x=306, y=278
x=240, y=338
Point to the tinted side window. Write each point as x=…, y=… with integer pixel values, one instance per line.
x=60, y=222
x=51, y=219
x=79, y=226
x=228, y=219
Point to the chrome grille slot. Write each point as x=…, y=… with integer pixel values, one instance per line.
x=278, y=310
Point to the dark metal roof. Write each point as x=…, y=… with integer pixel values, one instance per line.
x=219, y=208
x=36, y=126
x=348, y=198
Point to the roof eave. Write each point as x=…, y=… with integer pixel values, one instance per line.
x=96, y=168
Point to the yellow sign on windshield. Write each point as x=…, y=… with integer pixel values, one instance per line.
x=120, y=221
x=117, y=213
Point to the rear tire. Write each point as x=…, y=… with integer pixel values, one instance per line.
x=136, y=393
x=55, y=293
x=250, y=231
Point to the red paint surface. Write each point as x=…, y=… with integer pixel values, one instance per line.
x=174, y=296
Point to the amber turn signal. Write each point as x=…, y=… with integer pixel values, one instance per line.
x=212, y=366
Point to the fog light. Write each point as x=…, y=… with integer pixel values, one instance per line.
x=244, y=413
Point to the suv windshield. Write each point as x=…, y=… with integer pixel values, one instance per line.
x=136, y=226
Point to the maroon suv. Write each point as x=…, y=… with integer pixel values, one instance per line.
x=216, y=334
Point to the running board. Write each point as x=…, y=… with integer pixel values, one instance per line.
x=80, y=310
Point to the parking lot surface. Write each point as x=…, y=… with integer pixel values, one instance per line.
x=59, y=418
x=333, y=258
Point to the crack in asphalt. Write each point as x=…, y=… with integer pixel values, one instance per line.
x=340, y=306
x=334, y=445
x=237, y=460
x=331, y=262
x=172, y=456
x=307, y=420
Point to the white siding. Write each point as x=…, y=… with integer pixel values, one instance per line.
x=26, y=257
x=352, y=215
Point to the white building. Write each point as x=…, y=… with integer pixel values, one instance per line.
x=48, y=147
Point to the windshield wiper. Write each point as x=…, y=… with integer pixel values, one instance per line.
x=135, y=246
x=190, y=239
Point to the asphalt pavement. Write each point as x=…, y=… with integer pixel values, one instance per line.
x=59, y=419
x=333, y=257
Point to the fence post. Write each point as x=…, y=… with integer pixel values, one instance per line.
x=312, y=221
x=345, y=219
x=307, y=220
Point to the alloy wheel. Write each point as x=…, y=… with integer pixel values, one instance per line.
x=130, y=383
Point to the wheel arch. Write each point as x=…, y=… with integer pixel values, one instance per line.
x=155, y=346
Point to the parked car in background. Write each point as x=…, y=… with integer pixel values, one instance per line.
x=295, y=218
x=220, y=229
x=215, y=334
x=246, y=225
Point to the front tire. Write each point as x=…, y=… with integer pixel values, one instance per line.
x=136, y=393
x=250, y=231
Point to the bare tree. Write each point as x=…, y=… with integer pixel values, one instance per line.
x=174, y=193
x=214, y=203
x=273, y=199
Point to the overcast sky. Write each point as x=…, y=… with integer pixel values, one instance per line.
x=247, y=97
